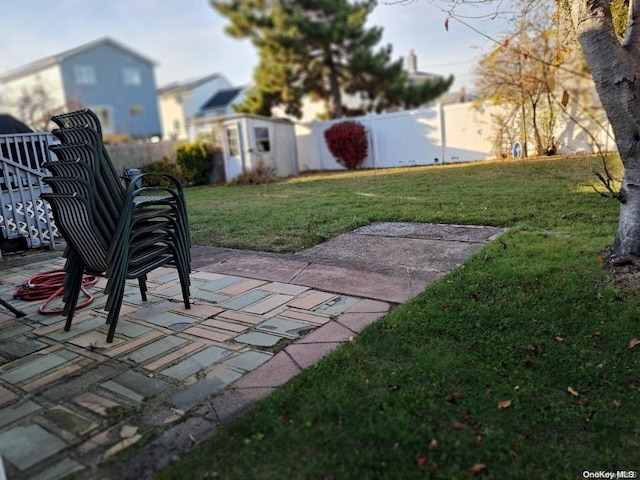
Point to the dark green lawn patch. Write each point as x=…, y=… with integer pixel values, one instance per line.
x=518, y=361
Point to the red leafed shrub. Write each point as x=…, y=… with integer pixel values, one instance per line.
x=347, y=142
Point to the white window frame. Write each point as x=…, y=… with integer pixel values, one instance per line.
x=131, y=76
x=85, y=74
x=262, y=136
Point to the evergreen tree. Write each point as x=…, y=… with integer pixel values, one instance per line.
x=321, y=48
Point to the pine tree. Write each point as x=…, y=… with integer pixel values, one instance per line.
x=320, y=48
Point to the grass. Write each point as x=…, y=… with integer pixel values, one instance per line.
x=304, y=211
x=516, y=365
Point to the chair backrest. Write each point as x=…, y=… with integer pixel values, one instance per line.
x=75, y=219
x=89, y=135
x=109, y=190
x=86, y=189
x=79, y=118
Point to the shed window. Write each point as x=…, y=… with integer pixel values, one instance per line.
x=262, y=139
x=84, y=74
x=131, y=76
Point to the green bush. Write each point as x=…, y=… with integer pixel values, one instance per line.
x=196, y=162
x=162, y=166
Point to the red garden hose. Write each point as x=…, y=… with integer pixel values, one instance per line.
x=48, y=286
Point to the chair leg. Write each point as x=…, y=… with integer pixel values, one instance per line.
x=74, y=286
x=114, y=312
x=142, y=282
x=15, y=311
x=184, y=285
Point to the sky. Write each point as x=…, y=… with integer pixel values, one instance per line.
x=186, y=38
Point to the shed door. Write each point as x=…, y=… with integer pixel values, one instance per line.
x=234, y=155
x=263, y=145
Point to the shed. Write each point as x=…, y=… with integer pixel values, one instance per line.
x=252, y=141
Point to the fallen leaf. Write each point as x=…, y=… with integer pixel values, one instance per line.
x=458, y=426
x=477, y=468
x=479, y=439
x=634, y=342
x=433, y=444
x=600, y=259
x=559, y=339
x=573, y=392
x=504, y=404
x=534, y=349
x=565, y=98
x=453, y=397
x=593, y=335
x=617, y=403
x=422, y=461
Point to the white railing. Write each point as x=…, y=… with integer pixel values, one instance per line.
x=22, y=213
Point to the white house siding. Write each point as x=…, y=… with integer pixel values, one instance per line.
x=172, y=117
x=178, y=107
x=246, y=153
x=49, y=77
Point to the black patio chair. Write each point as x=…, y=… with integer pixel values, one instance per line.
x=112, y=230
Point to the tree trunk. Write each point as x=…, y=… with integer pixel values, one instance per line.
x=334, y=88
x=615, y=67
x=626, y=246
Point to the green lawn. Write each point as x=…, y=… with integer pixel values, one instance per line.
x=516, y=365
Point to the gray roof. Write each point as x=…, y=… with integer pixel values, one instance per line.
x=188, y=84
x=57, y=58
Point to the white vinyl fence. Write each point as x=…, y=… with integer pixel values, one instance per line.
x=460, y=132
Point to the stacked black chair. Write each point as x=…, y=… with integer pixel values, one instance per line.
x=115, y=227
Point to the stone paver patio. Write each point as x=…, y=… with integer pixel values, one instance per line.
x=70, y=402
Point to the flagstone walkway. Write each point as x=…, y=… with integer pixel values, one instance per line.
x=71, y=403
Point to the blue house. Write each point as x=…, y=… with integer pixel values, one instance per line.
x=104, y=75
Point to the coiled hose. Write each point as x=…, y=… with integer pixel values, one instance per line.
x=48, y=286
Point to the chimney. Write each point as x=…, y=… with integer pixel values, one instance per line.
x=411, y=63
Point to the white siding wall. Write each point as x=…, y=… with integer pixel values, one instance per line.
x=281, y=156
x=50, y=78
x=180, y=107
x=172, y=116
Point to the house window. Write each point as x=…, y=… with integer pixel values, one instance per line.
x=233, y=141
x=262, y=139
x=131, y=76
x=105, y=114
x=136, y=110
x=84, y=74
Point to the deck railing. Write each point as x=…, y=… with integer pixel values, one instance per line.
x=22, y=213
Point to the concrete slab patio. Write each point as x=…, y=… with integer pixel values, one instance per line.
x=71, y=403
